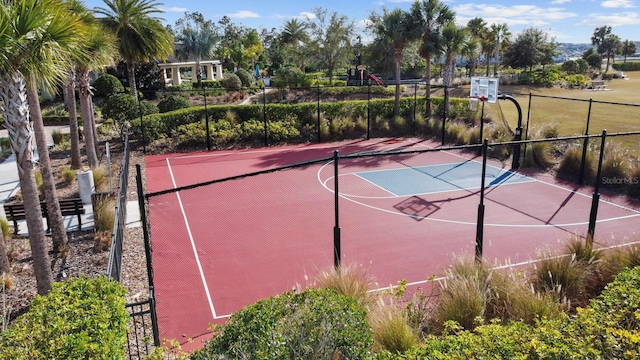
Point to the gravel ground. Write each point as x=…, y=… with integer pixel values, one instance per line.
x=83, y=255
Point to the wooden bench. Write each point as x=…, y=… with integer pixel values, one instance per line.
x=68, y=207
x=598, y=85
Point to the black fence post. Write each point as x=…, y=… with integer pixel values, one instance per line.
x=482, y=100
x=264, y=115
x=369, y=109
x=585, y=145
x=415, y=105
x=206, y=116
x=596, y=193
x=147, y=251
x=480, y=223
x=526, y=133
x=318, y=113
x=336, y=229
x=444, y=112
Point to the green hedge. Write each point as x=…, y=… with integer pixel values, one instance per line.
x=314, y=324
x=339, y=120
x=629, y=66
x=80, y=318
x=609, y=328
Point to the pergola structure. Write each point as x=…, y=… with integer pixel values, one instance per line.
x=172, y=73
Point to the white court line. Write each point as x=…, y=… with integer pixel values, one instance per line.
x=552, y=185
x=458, y=222
x=522, y=263
x=193, y=245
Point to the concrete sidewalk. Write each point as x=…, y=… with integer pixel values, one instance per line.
x=10, y=184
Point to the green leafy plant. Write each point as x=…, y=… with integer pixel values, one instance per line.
x=314, y=324
x=107, y=85
x=69, y=175
x=80, y=318
x=173, y=102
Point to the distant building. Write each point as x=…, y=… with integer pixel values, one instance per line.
x=176, y=73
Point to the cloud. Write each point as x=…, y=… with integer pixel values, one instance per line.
x=617, y=4
x=558, y=2
x=306, y=15
x=243, y=14
x=176, y=9
x=526, y=15
x=620, y=19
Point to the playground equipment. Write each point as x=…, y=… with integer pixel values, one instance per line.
x=359, y=76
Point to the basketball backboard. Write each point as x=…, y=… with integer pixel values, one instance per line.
x=484, y=87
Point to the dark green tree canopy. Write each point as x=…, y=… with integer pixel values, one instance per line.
x=532, y=47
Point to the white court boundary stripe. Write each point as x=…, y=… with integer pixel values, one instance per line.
x=506, y=266
x=193, y=244
x=349, y=198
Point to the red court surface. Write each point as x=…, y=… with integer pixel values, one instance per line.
x=220, y=247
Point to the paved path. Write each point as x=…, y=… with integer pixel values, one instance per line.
x=10, y=184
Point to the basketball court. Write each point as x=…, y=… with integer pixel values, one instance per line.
x=225, y=245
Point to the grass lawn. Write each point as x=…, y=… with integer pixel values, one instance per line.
x=571, y=115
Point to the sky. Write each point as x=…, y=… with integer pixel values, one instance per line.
x=568, y=21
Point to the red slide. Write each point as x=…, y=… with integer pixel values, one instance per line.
x=376, y=79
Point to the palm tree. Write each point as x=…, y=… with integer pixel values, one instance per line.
x=294, y=36
x=628, y=48
x=398, y=28
x=488, y=45
x=141, y=36
x=38, y=38
x=455, y=43
x=252, y=47
x=99, y=47
x=477, y=26
x=501, y=34
x=76, y=75
x=197, y=45
x=432, y=15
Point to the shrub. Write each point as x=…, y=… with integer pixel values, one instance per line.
x=4, y=227
x=538, y=155
x=121, y=108
x=79, y=318
x=104, y=213
x=69, y=175
x=173, y=102
x=390, y=329
x=351, y=281
x=563, y=276
x=100, y=178
x=231, y=82
x=245, y=77
x=569, y=168
x=633, y=183
x=107, y=85
x=59, y=137
x=314, y=324
x=615, y=168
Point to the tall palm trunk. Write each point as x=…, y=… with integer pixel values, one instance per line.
x=16, y=111
x=131, y=75
x=397, y=57
x=58, y=231
x=428, y=87
x=86, y=114
x=447, y=78
x=76, y=159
